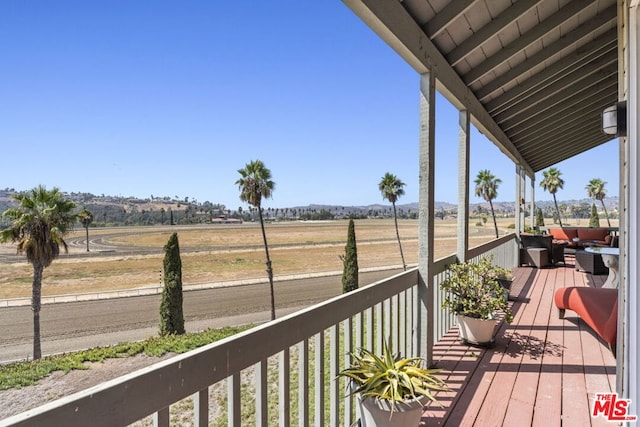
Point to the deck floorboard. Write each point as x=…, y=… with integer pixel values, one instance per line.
x=541, y=370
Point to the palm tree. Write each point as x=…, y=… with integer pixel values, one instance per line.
x=86, y=218
x=38, y=224
x=596, y=190
x=552, y=183
x=392, y=188
x=487, y=188
x=254, y=184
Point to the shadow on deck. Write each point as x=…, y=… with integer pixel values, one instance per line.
x=542, y=370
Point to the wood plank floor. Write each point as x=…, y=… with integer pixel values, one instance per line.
x=541, y=371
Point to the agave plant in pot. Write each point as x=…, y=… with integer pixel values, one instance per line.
x=475, y=294
x=392, y=390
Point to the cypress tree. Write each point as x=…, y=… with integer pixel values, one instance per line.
x=594, y=220
x=350, y=261
x=171, y=316
x=539, y=218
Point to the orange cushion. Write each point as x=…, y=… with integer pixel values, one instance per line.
x=596, y=306
x=610, y=331
x=592, y=233
x=564, y=233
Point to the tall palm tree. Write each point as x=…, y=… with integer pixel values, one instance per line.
x=552, y=183
x=86, y=218
x=596, y=190
x=392, y=188
x=38, y=224
x=254, y=184
x=487, y=188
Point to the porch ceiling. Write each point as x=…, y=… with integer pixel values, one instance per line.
x=534, y=75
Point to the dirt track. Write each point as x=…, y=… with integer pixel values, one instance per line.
x=73, y=326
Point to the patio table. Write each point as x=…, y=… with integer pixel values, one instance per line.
x=610, y=260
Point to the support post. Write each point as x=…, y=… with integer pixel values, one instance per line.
x=532, y=202
x=523, y=192
x=519, y=198
x=463, y=185
x=629, y=298
x=425, y=307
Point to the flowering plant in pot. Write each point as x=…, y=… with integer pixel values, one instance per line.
x=392, y=390
x=475, y=294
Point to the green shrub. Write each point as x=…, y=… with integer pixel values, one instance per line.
x=539, y=218
x=171, y=316
x=594, y=220
x=350, y=261
x=22, y=374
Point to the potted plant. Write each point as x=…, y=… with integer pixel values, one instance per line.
x=505, y=279
x=474, y=293
x=392, y=390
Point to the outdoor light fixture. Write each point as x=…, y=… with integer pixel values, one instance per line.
x=614, y=119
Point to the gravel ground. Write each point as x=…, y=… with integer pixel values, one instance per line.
x=59, y=384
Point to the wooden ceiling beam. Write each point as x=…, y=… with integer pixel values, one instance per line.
x=519, y=44
x=591, y=52
x=450, y=12
x=489, y=31
x=608, y=15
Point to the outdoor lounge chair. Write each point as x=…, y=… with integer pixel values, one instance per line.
x=596, y=306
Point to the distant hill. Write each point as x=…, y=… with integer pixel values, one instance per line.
x=117, y=210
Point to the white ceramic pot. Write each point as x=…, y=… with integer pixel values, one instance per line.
x=476, y=331
x=377, y=413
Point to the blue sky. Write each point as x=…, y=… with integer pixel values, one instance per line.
x=168, y=98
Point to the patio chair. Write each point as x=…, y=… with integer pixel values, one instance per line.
x=555, y=251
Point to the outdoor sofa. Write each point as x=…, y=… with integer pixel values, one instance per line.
x=577, y=237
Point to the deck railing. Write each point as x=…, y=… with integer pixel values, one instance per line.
x=282, y=372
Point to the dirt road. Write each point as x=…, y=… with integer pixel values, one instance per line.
x=79, y=325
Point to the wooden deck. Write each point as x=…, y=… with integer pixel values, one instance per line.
x=542, y=370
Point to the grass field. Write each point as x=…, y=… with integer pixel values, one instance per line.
x=214, y=253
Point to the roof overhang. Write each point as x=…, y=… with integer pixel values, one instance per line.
x=535, y=76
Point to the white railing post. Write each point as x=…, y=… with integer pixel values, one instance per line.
x=369, y=329
x=395, y=322
x=161, y=418
x=334, y=385
x=359, y=330
x=234, y=416
x=318, y=376
x=201, y=408
x=379, y=330
x=403, y=319
x=303, y=383
x=262, y=394
x=284, y=402
x=347, y=327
